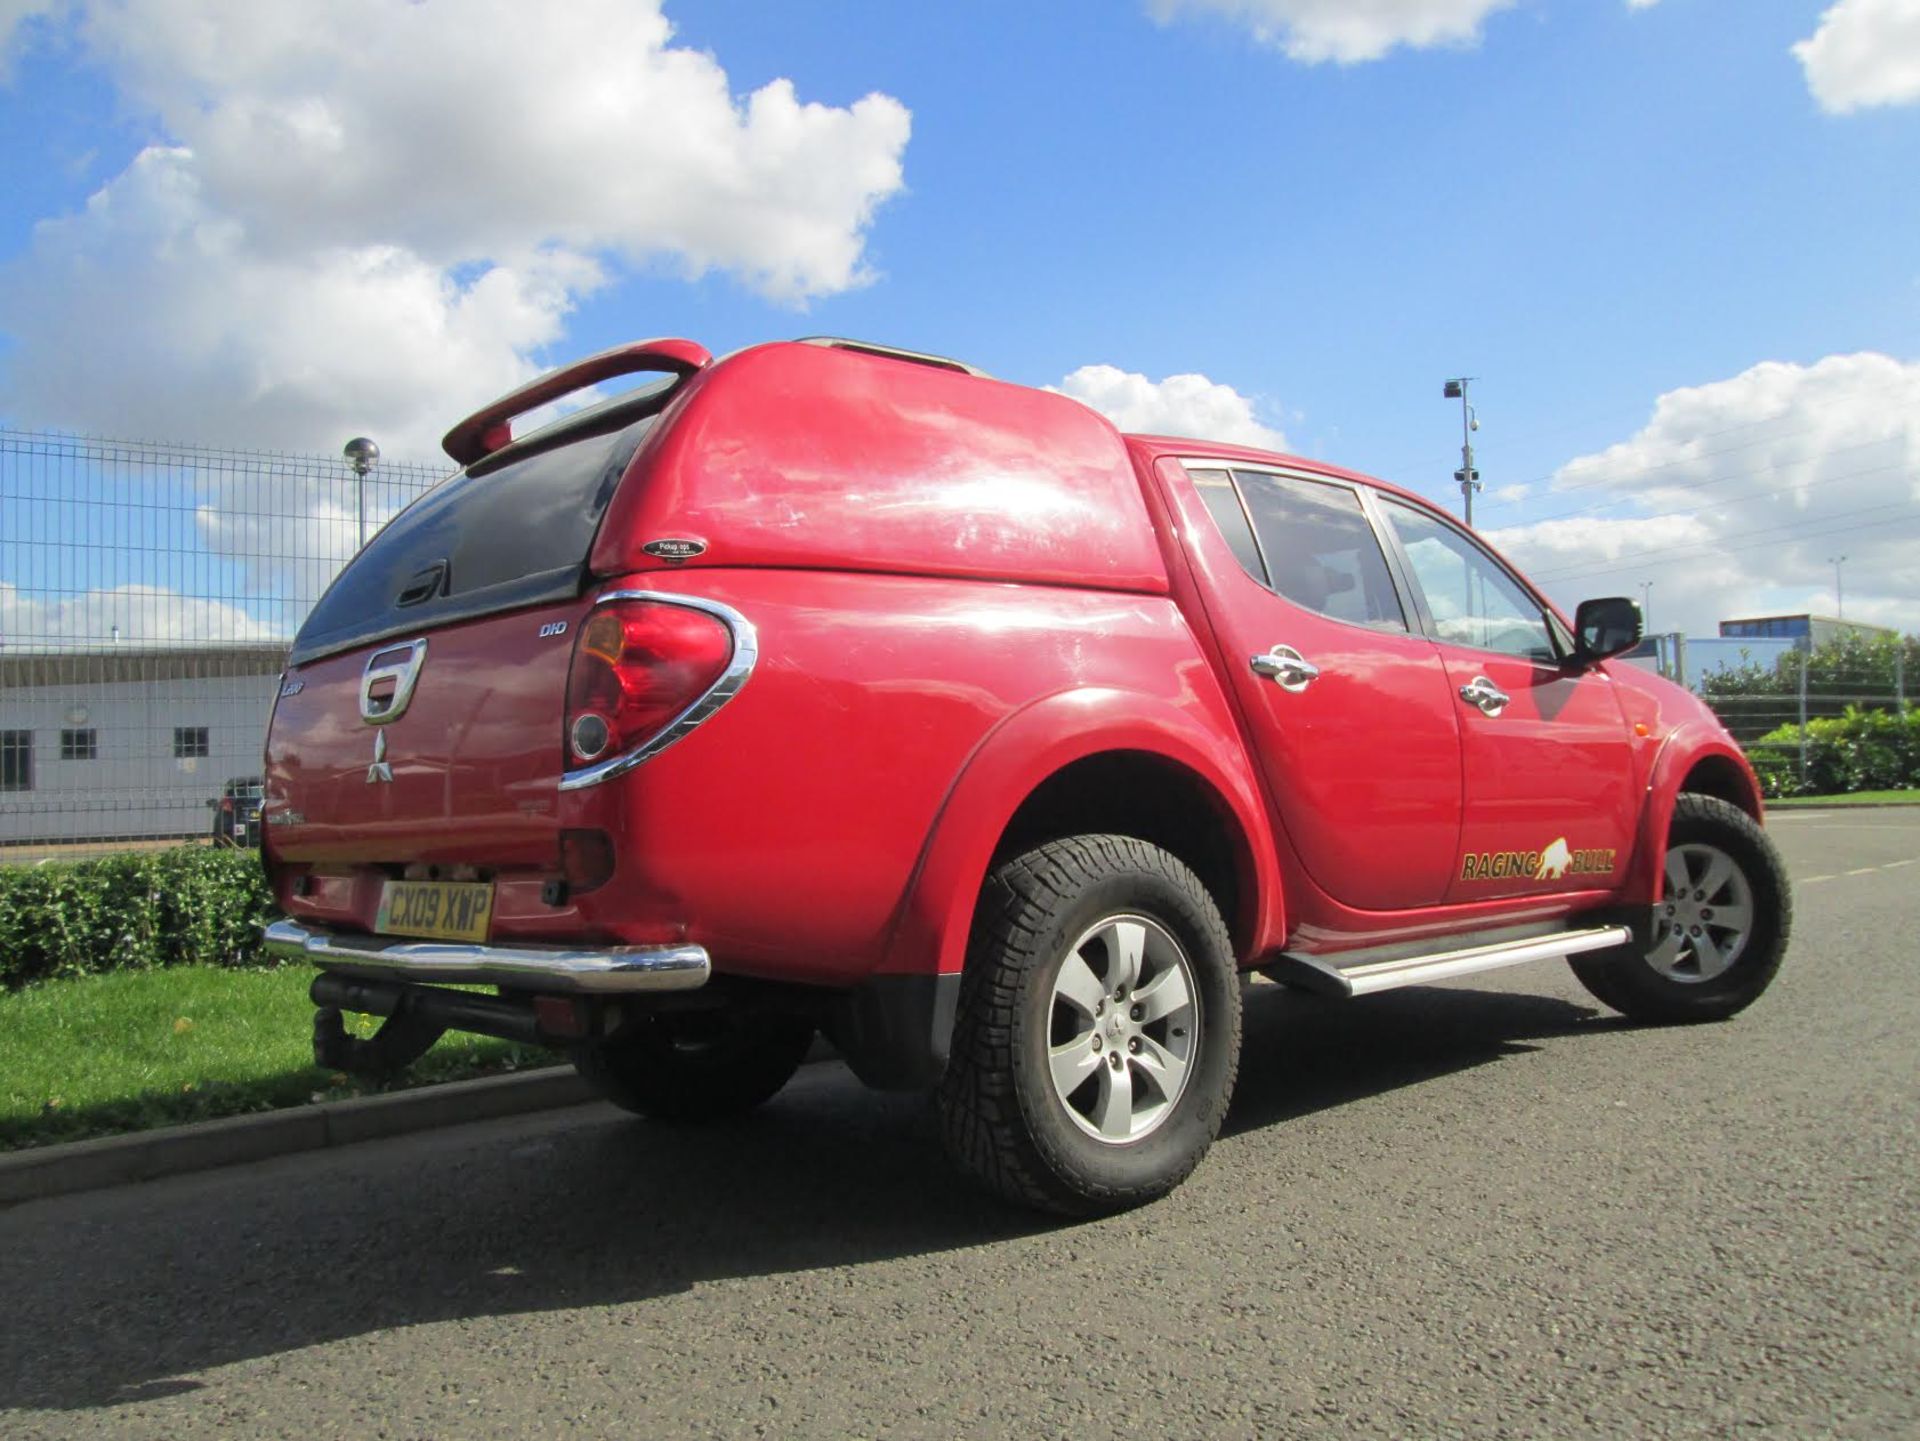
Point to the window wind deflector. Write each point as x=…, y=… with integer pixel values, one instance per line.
x=425, y=585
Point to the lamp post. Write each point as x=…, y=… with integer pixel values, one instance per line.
x=1839, y=596
x=1469, y=478
x=1646, y=605
x=361, y=453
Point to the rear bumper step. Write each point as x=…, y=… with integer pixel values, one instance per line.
x=1316, y=973
x=614, y=970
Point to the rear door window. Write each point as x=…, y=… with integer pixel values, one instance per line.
x=1320, y=548
x=1223, y=504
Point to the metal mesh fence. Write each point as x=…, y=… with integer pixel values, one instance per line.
x=1822, y=721
x=148, y=594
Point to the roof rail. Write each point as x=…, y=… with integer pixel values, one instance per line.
x=894, y=352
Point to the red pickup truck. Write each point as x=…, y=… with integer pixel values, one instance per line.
x=832, y=688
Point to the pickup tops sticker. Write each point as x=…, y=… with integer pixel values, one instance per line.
x=675, y=550
x=1554, y=863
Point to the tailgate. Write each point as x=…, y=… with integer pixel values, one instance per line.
x=466, y=771
x=457, y=757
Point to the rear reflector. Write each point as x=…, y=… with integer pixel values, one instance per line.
x=586, y=859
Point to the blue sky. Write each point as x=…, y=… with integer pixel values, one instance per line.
x=1679, y=256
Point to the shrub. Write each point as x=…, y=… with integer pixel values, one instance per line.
x=186, y=906
x=1859, y=750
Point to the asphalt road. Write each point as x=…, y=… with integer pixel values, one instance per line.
x=1487, y=1210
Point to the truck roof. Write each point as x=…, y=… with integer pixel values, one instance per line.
x=1151, y=448
x=831, y=457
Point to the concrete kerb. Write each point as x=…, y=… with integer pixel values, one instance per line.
x=1824, y=804
x=44, y=1171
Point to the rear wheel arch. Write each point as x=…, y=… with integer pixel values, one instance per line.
x=1023, y=780
x=1155, y=799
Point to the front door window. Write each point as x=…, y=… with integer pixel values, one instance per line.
x=1474, y=602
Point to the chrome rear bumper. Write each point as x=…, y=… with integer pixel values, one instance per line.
x=613, y=970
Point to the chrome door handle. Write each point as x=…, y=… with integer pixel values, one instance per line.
x=1287, y=668
x=1484, y=693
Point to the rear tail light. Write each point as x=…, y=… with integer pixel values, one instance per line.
x=637, y=666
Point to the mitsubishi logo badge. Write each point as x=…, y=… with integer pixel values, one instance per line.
x=379, y=770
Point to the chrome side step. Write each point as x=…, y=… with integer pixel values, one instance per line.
x=1317, y=973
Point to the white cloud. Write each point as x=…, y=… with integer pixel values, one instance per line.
x=1190, y=405
x=151, y=315
x=128, y=614
x=1865, y=52
x=1735, y=494
x=373, y=214
x=1346, y=31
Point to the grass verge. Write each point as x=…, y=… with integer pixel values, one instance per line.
x=130, y=1050
x=1850, y=798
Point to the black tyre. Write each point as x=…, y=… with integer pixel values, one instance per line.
x=1099, y=1028
x=696, y=1066
x=1719, y=931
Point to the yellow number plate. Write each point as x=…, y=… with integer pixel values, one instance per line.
x=443, y=910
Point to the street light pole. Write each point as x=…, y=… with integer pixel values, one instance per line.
x=1469, y=478
x=1839, y=596
x=1646, y=605
x=361, y=453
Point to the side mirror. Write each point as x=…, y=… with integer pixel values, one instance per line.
x=1605, y=627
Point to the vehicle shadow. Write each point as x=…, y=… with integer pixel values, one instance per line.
x=1303, y=1053
x=127, y=1295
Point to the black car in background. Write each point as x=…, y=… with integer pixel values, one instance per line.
x=236, y=814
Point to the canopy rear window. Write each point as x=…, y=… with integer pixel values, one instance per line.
x=490, y=539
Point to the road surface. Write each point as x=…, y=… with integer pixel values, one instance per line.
x=1487, y=1210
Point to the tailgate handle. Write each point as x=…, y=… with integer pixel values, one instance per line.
x=386, y=685
x=425, y=585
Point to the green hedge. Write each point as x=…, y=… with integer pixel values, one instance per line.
x=185, y=906
x=1862, y=750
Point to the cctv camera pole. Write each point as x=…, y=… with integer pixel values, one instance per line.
x=361, y=453
x=1468, y=477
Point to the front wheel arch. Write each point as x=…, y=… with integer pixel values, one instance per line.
x=1652, y=977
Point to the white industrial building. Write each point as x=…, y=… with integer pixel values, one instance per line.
x=128, y=742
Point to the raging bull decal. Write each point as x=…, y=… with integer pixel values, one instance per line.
x=1556, y=862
